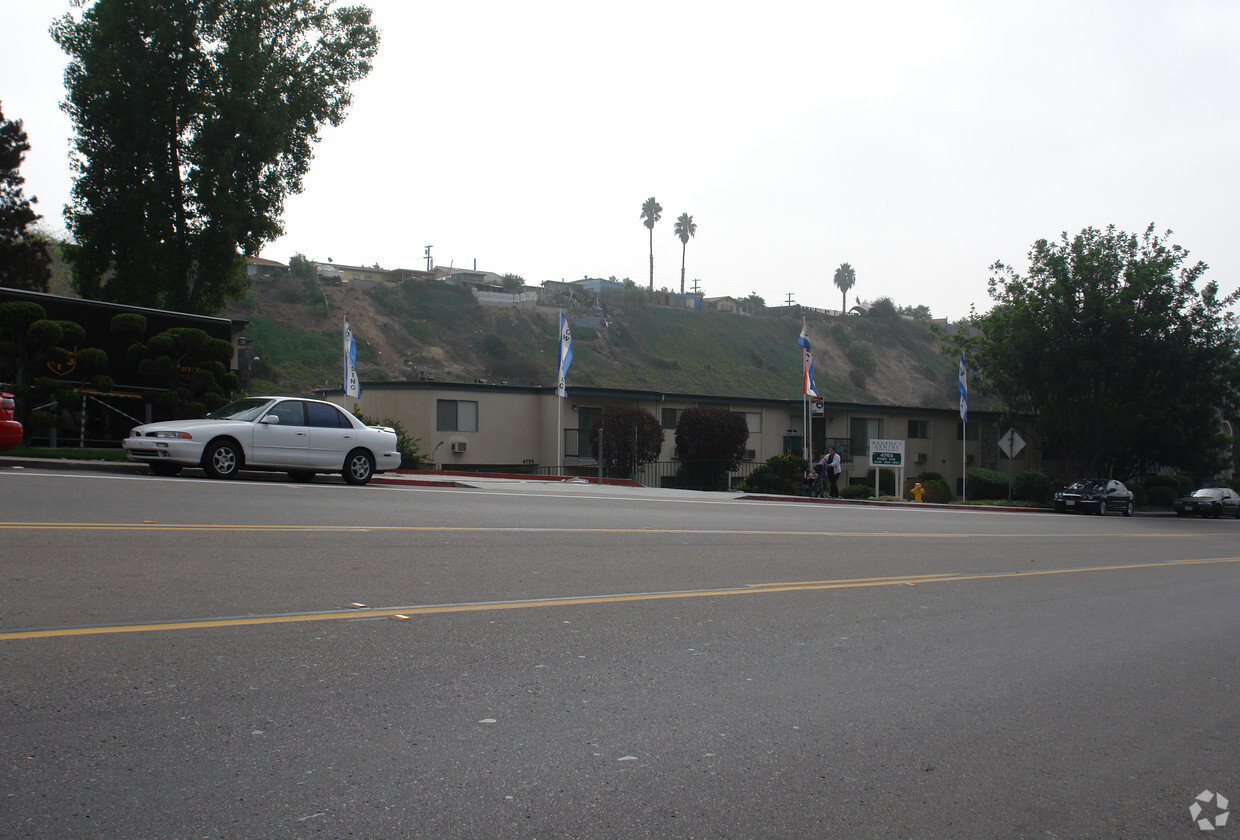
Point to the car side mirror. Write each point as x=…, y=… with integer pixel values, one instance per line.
x=271, y=419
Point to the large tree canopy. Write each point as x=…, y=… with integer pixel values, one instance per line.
x=1110, y=343
x=24, y=259
x=195, y=119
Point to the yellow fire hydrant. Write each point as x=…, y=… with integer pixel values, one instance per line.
x=918, y=491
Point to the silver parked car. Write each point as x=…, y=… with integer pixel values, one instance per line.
x=299, y=436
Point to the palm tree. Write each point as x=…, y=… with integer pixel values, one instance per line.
x=685, y=228
x=845, y=279
x=651, y=210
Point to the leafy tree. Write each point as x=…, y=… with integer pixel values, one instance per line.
x=621, y=453
x=685, y=229
x=513, y=282
x=195, y=119
x=753, y=304
x=1108, y=340
x=921, y=312
x=845, y=279
x=708, y=438
x=651, y=213
x=25, y=262
x=300, y=266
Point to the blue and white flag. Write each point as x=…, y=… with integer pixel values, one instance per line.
x=352, y=388
x=964, y=391
x=807, y=375
x=566, y=355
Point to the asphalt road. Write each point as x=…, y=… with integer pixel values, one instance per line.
x=182, y=658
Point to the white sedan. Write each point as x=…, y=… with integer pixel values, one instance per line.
x=300, y=436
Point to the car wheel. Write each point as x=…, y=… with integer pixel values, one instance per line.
x=358, y=467
x=1218, y=512
x=1181, y=513
x=301, y=476
x=1128, y=510
x=1238, y=512
x=1102, y=509
x=222, y=459
x=165, y=469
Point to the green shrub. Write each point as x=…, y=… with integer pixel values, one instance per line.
x=887, y=482
x=408, y=447
x=986, y=484
x=857, y=491
x=1160, y=495
x=781, y=474
x=1033, y=486
x=937, y=492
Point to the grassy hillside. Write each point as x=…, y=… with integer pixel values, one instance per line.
x=440, y=331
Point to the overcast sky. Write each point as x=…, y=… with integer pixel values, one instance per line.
x=919, y=142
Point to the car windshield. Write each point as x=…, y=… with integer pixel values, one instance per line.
x=1086, y=485
x=1208, y=493
x=247, y=409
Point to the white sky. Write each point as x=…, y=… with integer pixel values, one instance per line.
x=917, y=141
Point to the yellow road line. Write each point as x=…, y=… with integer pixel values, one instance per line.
x=433, y=609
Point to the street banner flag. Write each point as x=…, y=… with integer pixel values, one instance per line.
x=964, y=391
x=807, y=379
x=352, y=388
x=566, y=355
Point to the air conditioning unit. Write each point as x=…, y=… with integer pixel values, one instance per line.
x=459, y=446
x=921, y=457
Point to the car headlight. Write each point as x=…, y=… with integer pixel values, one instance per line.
x=171, y=435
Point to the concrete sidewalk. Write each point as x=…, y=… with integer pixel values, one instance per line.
x=446, y=480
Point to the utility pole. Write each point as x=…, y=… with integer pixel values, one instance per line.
x=789, y=303
x=696, y=289
x=429, y=263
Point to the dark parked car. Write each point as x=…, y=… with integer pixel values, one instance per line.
x=1209, y=501
x=1095, y=495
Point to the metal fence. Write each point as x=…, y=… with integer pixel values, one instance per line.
x=685, y=475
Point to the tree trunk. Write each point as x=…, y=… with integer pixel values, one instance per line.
x=652, y=258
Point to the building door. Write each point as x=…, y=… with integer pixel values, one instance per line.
x=585, y=419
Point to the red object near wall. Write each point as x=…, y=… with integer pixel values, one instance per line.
x=10, y=429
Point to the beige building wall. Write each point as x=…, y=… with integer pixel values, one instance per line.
x=530, y=427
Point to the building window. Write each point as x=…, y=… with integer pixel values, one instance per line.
x=861, y=431
x=456, y=416
x=919, y=429
x=753, y=419
x=671, y=416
